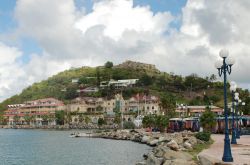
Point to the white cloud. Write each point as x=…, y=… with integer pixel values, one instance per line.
x=10, y=71
x=119, y=16
x=116, y=30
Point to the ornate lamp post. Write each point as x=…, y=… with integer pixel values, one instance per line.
x=241, y=114
x=225, y=69
x=237, y=99
x=233, y=89
x=182, y=116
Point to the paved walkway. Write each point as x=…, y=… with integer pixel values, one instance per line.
x=240, y=151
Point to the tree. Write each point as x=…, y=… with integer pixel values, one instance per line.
x=98, y=77
x=2, y=120
x=45, y=118
x=168, y=105
x=68, y=117
x=60, y=117
x=71, y=92
x=208, y=120
x=128, y=125
x=146, y=80
x=80, y=118
x=157, y=121
x=101, y=121
x=108, y=64
x=32, y=119
x=161, y=122
x=148, y=121
x=117, y=119
x=213, y=77
x=27, y=119
x=16, y=118
x=87, y=120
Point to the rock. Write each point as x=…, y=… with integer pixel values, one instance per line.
x=145, y=139
x=173, y=145
x=192, y=140
x=200, y=141
x=187, y=145
x=171, y=155
x=178, y=138
x=141, y=163
x=164, y=139
x=208, y=160
x=145, y=156
x=153, y=142
x=152, y=160
x=182, y=149
x=160, y=151
x=178, y=162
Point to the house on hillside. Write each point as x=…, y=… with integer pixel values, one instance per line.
x=117, y=84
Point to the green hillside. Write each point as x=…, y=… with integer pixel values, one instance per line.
x=192, y=90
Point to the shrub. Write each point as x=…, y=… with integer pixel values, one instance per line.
x=205, y=136
x=128, y=125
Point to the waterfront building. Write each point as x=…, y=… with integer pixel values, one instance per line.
x=145, y=105
x=34, y=112
x=196, y=111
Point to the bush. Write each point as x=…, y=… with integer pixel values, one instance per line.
x=128, y=125
x=205, y=136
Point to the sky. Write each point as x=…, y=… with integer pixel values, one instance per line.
x=39, y=38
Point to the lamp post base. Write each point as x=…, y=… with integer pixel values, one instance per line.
x=233, y=141
x=238, y=134
x=227, y=155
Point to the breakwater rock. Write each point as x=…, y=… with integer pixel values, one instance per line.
x=168, y=148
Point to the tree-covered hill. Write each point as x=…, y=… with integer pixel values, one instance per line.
x=191, y=90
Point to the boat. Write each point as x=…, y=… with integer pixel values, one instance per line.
x=83, y=134
x=74, y=135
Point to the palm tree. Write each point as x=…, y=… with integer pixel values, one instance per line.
x=16, y=119
x=45, y=118
x=51, y=118
x=1, y=119
x=80, y=118
x=27, y=119
x=68, y=118
x=32, y=119
x=87, y=120
x=208, y=120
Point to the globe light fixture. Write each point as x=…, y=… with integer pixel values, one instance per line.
x=218, y=64
x=230, y=61
x=224, y=53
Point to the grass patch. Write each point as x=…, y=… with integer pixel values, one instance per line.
x=198, y=148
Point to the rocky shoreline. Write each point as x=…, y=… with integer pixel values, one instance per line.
x=168, y=148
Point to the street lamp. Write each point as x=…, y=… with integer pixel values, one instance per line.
x=225, y=68
x=241, y=114
x=233, y=87
x=238, y=101
x=182, y=108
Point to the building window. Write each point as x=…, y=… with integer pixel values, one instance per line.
x=153, y=107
